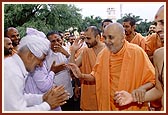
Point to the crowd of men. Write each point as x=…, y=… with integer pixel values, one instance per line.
x=112, y=69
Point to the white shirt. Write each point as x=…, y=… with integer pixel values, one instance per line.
x=14, y=82
x=63, y=77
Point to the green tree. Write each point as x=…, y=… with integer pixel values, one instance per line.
x=18, y=14
x=91, y=21
x=44, y=17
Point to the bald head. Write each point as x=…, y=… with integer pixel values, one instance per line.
x=94, y=30
x=10, y=31
x=115, y=28
x=92, y=36
x=160, y=14
x=159, y=19
x=13, y=34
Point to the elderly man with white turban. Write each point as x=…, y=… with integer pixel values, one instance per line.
x=42, y=79
x=31, y=53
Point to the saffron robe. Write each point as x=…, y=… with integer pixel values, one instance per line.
x=88, y=89
x=135, y=70
x=139, y=40
x=153, y=42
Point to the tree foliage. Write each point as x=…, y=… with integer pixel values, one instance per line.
x=91, y=21
x=60, y=17
x=44, y=17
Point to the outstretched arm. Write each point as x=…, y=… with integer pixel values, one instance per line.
x=77, y=73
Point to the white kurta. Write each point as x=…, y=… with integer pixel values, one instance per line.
x=14, y=82
x=63, y=77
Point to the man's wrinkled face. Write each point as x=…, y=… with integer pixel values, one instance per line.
x=34, y=62
x=113, y=40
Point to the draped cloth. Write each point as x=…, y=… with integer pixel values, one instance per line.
x=88, y=90
x=153, y=42
x=136, y=70
x=139, y=40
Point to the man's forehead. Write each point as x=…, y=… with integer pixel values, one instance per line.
x=12, y=30
x=7, y=39
x=89, y=32
x=108, y=31
x=54, y=35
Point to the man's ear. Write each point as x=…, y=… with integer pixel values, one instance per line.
x=98, y=37
x=134, y=27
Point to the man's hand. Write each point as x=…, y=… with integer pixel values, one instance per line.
x=77, y=92
x=123, y=98
x=56, y=96
x=139, y=95
x=58, y=48
x=76, y=45
x=75, y=70
x=57, y=68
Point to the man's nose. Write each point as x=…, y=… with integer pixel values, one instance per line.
x=11, y=46
x=107, y=40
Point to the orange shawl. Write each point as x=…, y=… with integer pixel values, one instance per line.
x=136, y=70
x=139, y=40
x=153, y=42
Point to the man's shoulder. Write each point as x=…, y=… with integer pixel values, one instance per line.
x=159, y=51
x=151, y=37
x=87, y=50
x=133, y=47
x=9, y=60
x=104, y=52
x=139, y=35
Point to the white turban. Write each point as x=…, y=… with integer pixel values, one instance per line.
x=32, y=31
x=36, y=42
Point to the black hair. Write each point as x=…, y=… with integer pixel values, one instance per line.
x=131, y=20
x=95, y=30
x=106, y=20
x=5, y=32
x=52, y=32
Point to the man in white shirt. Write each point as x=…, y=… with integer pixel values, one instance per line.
x=31, y=53
x=61, y=57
